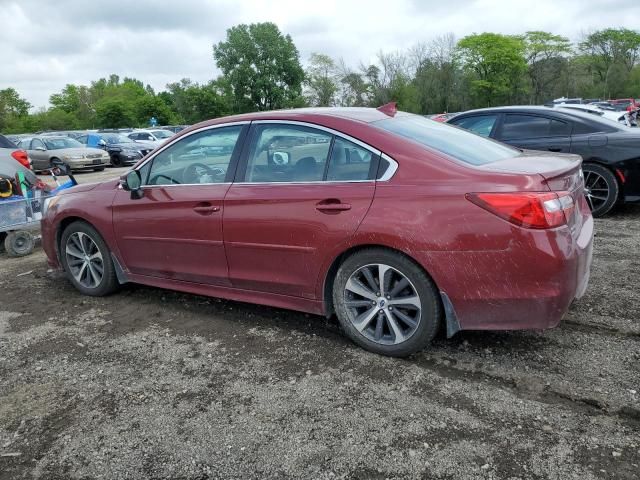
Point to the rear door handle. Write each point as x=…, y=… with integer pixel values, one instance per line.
x=206, y=208
x=333, y=206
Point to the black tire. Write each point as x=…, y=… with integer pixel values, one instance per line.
x=115, y=161
x=109, y=282
x=19, y=243
x=602, y=182
x=3, y=235
x=98, y=169
x=430, y=313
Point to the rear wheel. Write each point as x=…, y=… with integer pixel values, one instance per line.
x=601, y=189
x=87, y=260
x=386, y=303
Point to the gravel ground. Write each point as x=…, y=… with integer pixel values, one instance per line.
x=149, y=383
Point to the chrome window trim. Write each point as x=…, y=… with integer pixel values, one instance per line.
x=388, y=174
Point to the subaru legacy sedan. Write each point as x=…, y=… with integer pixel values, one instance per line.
x=397, y=224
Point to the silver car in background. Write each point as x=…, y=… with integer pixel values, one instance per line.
x=44, y=149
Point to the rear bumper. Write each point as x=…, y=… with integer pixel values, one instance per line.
x=528, y=286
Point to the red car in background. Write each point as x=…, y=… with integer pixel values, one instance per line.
x=398, y=224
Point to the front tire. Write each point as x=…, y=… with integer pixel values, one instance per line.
x=601, y=189
x=87, y=261
x=386, y=303
x=115, y=161
x=98, y=169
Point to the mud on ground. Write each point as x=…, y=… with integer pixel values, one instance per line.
x=155, y=384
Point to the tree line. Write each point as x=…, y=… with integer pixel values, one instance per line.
x=262, y=70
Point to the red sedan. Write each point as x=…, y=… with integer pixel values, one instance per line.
x=397, y=224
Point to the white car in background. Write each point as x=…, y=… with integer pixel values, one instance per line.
x=595, y=110
x=156, y=136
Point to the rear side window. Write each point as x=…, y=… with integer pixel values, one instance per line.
x=480, y=124
x=457, y=143
x=349, y=162
x=518, y=127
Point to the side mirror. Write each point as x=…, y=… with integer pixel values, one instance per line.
x=280, y=158
x=131, y=182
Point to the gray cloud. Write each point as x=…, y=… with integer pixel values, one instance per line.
x=46, y=45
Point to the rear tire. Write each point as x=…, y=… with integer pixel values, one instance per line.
x=19, y=243
x=602, y=190
x=87, y=260
x=401, y=317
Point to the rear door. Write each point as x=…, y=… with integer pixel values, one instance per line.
x=300, y=191
x=535, y=132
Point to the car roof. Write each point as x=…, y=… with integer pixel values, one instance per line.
x=563, y=113
x=360, y=114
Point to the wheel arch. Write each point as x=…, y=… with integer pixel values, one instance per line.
x=330, y=276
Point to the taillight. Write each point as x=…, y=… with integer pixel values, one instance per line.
x=22, y=157
x=528, y=209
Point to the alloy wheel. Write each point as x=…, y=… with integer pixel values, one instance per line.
x=382, y=304
x=596, y=190
x=84, y=259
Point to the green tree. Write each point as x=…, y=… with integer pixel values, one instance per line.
x=149, y=106
x=261, y=65
x=610, y=56
x=546, y=56
x=13, y=109
x=321, y=80
x=496, y=63
x=114, y=113
x=194, y=103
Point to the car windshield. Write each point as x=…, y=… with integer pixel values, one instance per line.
x=59, y=143
x=162, y=133
x=455, y=142
x=116, y=138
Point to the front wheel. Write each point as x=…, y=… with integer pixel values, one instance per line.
x=386, y=303
x=87, y=261
x=98, y=169
x=601, y=189
x=116, y=161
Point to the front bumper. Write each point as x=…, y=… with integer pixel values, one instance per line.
x=87, y=163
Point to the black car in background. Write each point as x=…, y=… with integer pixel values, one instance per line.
x=610, y=151
x=122, y=150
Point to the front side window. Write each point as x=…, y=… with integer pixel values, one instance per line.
x=288, y=153
x=480, y=124
x=201, y=158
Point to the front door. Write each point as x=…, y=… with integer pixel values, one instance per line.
x=299, y=192
x=175, y=230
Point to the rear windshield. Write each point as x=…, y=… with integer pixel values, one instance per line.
x=6, y=143
x=455, y=142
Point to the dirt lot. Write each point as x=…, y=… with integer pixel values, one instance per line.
x=154, y=384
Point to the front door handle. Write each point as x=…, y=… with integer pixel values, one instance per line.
x=332, y=205
x=206, y=208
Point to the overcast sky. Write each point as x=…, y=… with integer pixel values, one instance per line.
x=46, y=44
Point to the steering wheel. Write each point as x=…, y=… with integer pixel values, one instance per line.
x=196, y=172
